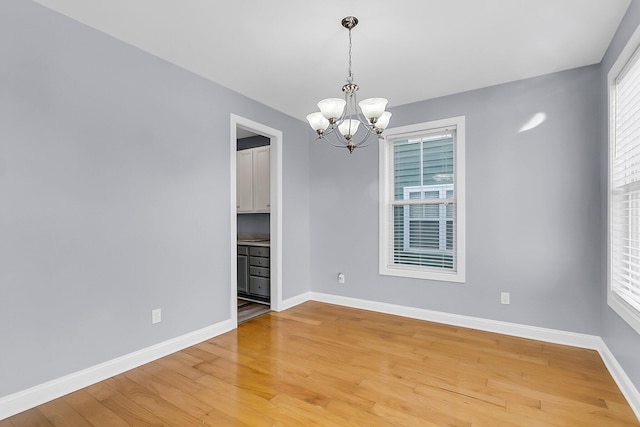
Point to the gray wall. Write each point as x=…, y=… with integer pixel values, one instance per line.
x=114, y=197
x=622, y=340
x=533, y=209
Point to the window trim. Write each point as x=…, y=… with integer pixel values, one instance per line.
x=385, y=200
x=628, y=313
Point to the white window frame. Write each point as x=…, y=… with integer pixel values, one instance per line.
x=386, y=198
x=625, y=310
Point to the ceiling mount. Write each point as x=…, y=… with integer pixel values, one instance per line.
x=349, y=22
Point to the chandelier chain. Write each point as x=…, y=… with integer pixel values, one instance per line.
x=350, y=77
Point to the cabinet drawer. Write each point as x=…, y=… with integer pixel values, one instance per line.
x=243, y=250
x=259, y=251
x=259, y=286
x=259, y=262
x=259, y=271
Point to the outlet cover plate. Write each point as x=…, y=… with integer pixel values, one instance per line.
x=505, y=298
x=156, y=316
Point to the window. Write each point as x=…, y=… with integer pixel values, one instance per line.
x=422, y=201
x=624, y=185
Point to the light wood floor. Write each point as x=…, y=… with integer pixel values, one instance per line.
x=319, y=364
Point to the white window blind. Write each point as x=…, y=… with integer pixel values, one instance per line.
x=624, y=185
x=419, y=203
x=423, y=194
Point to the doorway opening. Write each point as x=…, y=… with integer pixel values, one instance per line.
x=256, y=219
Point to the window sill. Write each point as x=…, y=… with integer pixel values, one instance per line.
x=629, y=315
x=418, y=273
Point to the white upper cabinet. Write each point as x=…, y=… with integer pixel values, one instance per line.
x=261, y=179
x=253, y=177
x=244, y=181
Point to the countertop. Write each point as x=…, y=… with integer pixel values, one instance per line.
x=254, y=240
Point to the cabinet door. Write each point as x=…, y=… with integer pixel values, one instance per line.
x=244, y=181
x=243, y=276
x=261, y=179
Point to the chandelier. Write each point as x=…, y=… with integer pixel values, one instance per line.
x=341, y=115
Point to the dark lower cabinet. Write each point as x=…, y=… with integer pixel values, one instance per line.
x=254, y=281
x=243, y=269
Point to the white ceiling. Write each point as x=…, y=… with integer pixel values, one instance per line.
x=288, y=54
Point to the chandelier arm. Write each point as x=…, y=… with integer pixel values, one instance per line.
x=331, y=129
x=343, y=143
x=342, y=117
x=339, y=144
x=363, y=120
x=367, y=137
x=370, y=131
x=360, y=118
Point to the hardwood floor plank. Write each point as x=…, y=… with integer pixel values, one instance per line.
x=151, y=402
x=354, y=414
x=31, y=418
x=556, y=402
x=220, y=419
x=236, y=404
x=308, y=412
x=134, y=414
x=172, y=378
x=399, y=417
x=94, y=411
x=169, y=394
x=249, y=379
x=180, y=366
x=318, y=364
x=201, y=354
x=307, y=320
x=339, y=391
x=61, y=414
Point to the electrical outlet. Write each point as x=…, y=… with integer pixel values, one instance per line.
x=505, y=298
x=156, y=316
x=341, y=278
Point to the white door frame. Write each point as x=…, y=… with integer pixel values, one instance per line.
x=275, y=226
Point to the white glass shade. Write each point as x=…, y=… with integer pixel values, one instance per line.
x=317, y=121
x=372, y=108
x=332, y=108
x=383, y=120
x=349, y=127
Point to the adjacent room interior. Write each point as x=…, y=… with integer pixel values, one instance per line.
x=253, y=207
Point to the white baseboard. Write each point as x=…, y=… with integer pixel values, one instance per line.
x=591, y=342
x=34, y=396
x=531, y=332
x=293, y=301
x=627, y=388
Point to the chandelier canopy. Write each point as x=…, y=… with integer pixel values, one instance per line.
x=342, y=114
